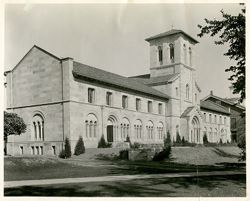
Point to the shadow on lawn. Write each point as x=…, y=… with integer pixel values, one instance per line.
x=224, y=154
x=132, y=167
x=167, y=187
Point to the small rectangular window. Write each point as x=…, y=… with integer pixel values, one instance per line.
x=41, y=150
x=108, y=98
x=54, y=150
x=150, y=106
x=215, y=119
x=124, y=102
x=91, y=95
x=21, y=150
x=37, y=150
x=138, y=104
x=160, y=108
x=32, y=150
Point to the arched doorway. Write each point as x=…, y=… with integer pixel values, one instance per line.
x=111, y=128
x=195, y=136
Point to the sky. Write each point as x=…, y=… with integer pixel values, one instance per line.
x=111, y=36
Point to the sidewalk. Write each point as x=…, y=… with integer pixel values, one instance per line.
x=11, y=184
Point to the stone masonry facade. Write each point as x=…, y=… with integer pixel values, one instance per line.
x=59, y=98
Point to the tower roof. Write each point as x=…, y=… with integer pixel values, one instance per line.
x=169, y=33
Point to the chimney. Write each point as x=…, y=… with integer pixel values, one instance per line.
x=211, y=92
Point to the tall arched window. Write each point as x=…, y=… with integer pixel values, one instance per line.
x=91, y=126
x=138, y=129
x=160, y=54
x=171, y=52
x=190, y=56
x=185, y=54
x=150, y=128
x=125, y=125
x=187, y=91
x=160, y=130
x=38, y=127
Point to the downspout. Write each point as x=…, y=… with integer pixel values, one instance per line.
x=62, y=103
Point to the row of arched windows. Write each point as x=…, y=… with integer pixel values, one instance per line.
x=214, y=135
x=171, y=53
x=214, y=119
x=91, y=126
x=186, y=54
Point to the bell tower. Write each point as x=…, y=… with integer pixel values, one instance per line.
x=169, y=51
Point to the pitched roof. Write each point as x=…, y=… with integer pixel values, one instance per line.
x=187, y=111
x=150, y=81
x=209, y=105
x=225, y=100
x=101, y=76
x=169, y=33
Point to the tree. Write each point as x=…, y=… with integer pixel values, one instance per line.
x=205, y=140
x=67, y=148
x=231, y=30
x=178, y=138
x=13, y=125
x=241, y=135
x=167, y=141
x=80, y=148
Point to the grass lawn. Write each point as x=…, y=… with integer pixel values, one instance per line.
x=215, y=186
x=27, y=168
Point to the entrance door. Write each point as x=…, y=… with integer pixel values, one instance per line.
x=110, y=133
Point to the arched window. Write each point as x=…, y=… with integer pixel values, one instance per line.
x=160, y=54
x=215, y=135
x=185, y=54
x=190, y=56
x=91, y=126
x=160, y=130
x=171, y=52
x=210, y=138
x=195, y=97
x=205, y=131
x=138, y=129
x=187, y=91
x=38, y=127
x=125, y=127
x=150, y=128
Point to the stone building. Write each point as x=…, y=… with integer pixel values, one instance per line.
x=237, y=112
x=59, y=98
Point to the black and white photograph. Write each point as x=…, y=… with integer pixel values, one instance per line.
x=124, y=100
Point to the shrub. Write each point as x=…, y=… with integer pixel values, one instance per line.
x=62, y=154
x=167, y=141
x=103, y=144
x=80, y=148
x=178, y=138
x=136, y=145
x=183, y=141
x=205, y=140
x=164, y=154
x=67, y=148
